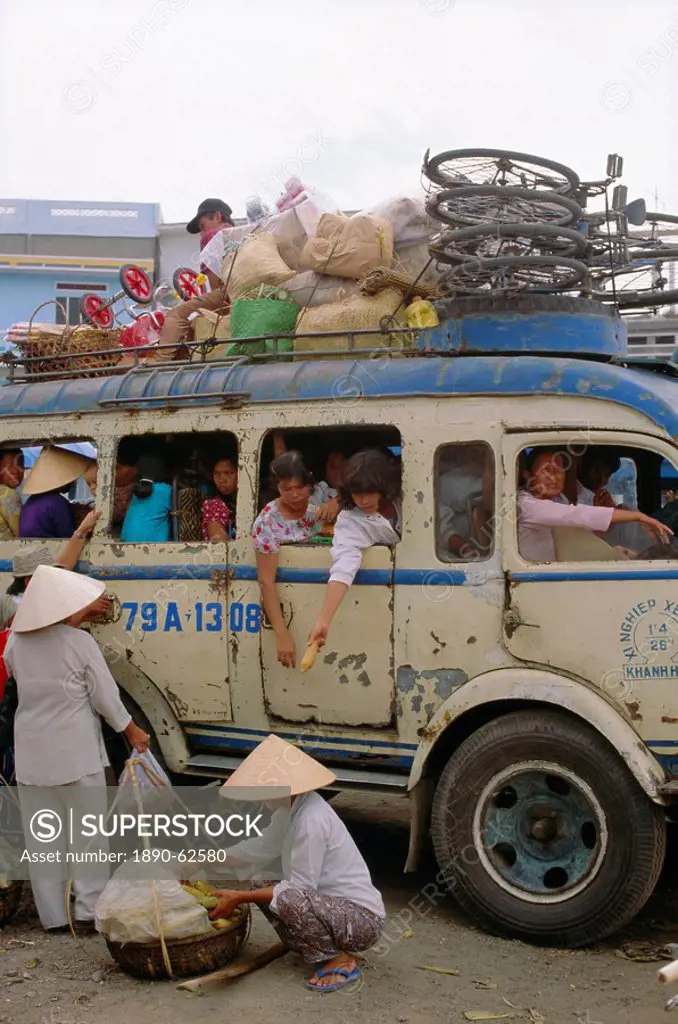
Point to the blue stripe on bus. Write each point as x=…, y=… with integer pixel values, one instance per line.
x=302, y=737
x=594, y=575
x=365, y=577
x=227, y=742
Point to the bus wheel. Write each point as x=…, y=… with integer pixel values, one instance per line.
x=543, y=834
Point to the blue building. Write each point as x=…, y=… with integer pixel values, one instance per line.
x=53, y=249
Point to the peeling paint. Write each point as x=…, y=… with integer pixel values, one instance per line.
x=441, y=643
x=419, y=497
x=354, y=661
x=471, y=640
x=416, y=703
x=668, y=720
x=180, y=706
x=330, y=658
x=429, y=710
x=633, y=708
x=343, y=678
x=364, y=679
x=445, y=680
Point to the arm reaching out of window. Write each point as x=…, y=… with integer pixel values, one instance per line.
x=267, y=566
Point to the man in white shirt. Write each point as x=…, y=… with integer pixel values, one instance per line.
x=326, y=907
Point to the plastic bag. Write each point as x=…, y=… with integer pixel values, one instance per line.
x=152, y=781
x=212, y=256
x=411, y=223
x=126, y=910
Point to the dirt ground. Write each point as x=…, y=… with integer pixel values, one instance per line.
x=59, y=980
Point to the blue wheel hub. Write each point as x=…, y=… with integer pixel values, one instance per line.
x=540, y=831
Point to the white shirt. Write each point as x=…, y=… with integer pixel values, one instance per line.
x=317, y=853
x=536, y=516
x=321, y=493
x=63, y=685
x=354, y=531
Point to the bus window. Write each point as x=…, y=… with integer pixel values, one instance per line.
x=325, y=452
x=178, y=487
x=464, y=502
x=614, y=514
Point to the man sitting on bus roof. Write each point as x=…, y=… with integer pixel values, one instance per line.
x=213, y=215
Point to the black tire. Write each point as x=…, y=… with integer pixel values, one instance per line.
x=466, y=277
x=528, y=304
x=455, y=206
x=463, y=243
x=540, y=173
x=629, y=860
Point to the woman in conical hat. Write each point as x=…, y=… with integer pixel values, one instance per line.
x=326, y=907
x=47, y=513
x=63, y=686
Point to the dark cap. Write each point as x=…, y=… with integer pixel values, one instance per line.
x=206, y=207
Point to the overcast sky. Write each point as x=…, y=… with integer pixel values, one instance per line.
x=171, y=101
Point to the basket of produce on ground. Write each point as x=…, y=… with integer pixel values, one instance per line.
x=190, y=945
x=10, y=898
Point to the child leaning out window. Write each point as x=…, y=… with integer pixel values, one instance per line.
x=370, y=500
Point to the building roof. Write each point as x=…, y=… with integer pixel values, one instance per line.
x=651, y=391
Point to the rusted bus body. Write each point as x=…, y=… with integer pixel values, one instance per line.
x=424, y=651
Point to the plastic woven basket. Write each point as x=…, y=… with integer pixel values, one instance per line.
x=10, y=898
x=188, y=957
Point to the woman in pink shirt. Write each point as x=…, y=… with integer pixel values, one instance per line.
x=539, y=509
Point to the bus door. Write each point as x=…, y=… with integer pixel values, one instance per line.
x=170, y=619
x=596, y=611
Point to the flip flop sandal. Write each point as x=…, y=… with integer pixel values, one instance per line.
x=349, y=977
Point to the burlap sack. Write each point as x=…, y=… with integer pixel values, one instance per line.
x=210, y=325
x=311, y=289
x=256, y=262
x=357, y=313
x=349, y=246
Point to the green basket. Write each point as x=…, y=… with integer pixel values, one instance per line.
x=255, y=318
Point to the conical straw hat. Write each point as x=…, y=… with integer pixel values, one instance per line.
x=54, y=468
x=52, y=596
x=274, y=762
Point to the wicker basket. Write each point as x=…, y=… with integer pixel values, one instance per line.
x=10, y=898
x=188, y=957
x=72, y=350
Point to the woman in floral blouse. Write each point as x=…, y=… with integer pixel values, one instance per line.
x=218, y=514
x=289, y=519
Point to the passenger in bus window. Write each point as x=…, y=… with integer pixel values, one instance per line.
x=47, y=513
x=370, y=500
x=29, y=557
x=288, y=519
x=148, y=518
x=11, y=477
x=218, y=514
x=597, y=467
x=325, y=493
x=539, y=509
x=465, y=499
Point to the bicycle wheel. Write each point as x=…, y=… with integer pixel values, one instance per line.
x=499, y=167
x=508, y=275
x=639, y=300
x=497, y=204
x=494, y=240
